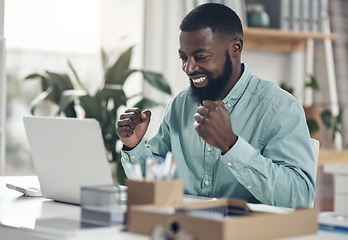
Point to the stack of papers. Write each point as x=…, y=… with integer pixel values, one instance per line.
x=332, y=221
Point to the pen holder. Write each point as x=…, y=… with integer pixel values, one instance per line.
x=157, y=193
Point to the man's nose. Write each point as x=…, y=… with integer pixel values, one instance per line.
x=190, y=66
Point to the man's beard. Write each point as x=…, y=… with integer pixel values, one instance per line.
x=216, y=86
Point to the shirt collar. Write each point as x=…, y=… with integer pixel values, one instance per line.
x=238, y=89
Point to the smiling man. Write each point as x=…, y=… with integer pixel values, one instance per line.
x=234, y=134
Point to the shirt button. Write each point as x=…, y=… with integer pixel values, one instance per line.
x=132, y=157
x=209, y=149
x=229, y=164
x=249, y=186
x=229, y=105
x=207, y=183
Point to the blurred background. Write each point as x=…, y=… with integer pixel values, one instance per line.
x=42, y=35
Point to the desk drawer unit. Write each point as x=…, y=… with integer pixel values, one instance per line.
x=341, y=194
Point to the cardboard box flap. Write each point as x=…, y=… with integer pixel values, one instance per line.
x=254, y=225
x=216, y=208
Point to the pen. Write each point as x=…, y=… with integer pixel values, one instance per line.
x=129, y=170
x=167, y=164
x=138, y=175
x=156, y=168
x=173, y=168
x=134, y=171
x=148, y=169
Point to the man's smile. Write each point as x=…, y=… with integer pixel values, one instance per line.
x=200, y=81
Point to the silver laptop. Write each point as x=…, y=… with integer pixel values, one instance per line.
x=68, y=153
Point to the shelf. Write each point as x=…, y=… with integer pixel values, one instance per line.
x=279, y=40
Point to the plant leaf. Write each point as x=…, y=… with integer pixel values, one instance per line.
x=313, y=125
x=92, y=107
x=147, y=103
x=76, y=76
x=60, y=83
x=116, y=94
x=157, y=80
x=33, y=76
x=119, y=72
x=313, y=83
x=287, y=88
x=326, y=116
x=105, y=59
x=45, y=82
x=68, y=99
x=42, y=96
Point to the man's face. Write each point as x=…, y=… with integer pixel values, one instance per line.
x=206, y=62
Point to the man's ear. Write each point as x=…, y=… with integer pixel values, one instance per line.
x=236, y=47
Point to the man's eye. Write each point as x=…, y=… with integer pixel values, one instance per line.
x=201, y=57
x=183, y=58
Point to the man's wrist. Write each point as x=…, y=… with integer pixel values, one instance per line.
x=230, y=146
x=126, y=148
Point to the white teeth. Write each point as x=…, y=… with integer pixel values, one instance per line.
x=199, y=80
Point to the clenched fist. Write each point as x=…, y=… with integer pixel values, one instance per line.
x=132, y=126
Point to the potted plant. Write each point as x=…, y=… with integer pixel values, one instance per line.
x=69, y=95
x=318, y=117
x=313, y=112
x=312, y=121
x=333, y=123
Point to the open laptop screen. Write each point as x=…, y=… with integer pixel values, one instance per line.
x=68, y=153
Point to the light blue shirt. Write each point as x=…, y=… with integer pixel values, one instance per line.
x=272, y=161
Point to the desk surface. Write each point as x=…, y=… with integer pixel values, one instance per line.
x=327, y=156
x=20, y=218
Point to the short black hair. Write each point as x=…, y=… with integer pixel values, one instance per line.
x=222, y=20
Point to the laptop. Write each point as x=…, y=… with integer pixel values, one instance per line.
x=67, y=153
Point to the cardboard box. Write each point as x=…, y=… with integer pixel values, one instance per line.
x=257, y=225
x=158, y=193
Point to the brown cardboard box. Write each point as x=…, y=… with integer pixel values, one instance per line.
x=258, y=225
x=158, y=193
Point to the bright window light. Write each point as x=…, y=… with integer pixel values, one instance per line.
x=64, y=25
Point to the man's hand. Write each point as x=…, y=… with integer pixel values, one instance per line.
x=213, y=125
x=132, y=126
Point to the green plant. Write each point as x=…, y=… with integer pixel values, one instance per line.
x=332, y=122
x=287, y=88
x=103, y=105
x=329, y=120
x=313, y=83
x=312, y=123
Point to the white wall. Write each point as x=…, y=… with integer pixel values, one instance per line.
x=278, y=67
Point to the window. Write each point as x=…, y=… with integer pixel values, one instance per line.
x=42, y=35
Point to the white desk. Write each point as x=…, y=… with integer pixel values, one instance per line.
x=340, y=172
x=21, y=217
